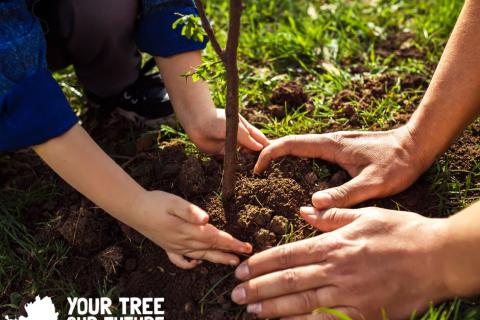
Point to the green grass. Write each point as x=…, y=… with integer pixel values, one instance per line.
x=282, y=40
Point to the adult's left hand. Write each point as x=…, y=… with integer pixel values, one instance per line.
x=372, y=260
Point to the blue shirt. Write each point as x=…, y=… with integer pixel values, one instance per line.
x=33, y=109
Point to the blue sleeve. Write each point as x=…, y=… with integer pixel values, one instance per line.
x=33, y=109
x=155, y=34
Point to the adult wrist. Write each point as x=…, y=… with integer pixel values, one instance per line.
x=441, y=262
x=460, y=253
x=420, y=153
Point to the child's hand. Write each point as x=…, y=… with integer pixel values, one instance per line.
x=209, y=135
x=182, y=229
x=195, y=110
x=179, y=227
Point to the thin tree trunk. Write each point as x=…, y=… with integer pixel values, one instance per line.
x=233, y=82
x=209, y=30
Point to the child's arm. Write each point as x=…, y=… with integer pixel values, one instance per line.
x=195, y=110
x=177, y=226
x=176, y=55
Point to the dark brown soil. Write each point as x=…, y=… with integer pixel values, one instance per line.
x=290, y=94
x=400, y=45
x=286, y=98
x=264, y=212
x=362, y=95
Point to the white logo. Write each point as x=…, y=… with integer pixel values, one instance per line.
x=40, y=309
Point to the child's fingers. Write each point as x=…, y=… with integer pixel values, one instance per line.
x=215, y=256
x=188, y=212
x=246, y=140
x=216, y=239
x=181, y=262
x=255, y=132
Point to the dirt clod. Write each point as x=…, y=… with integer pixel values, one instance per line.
x=265, y=239
x=290, y=94
x=261, y=216
x=277, y=111
x=144, y=143
x=191, y=179
x=311, y=178
x=278, y=225
x=338, y=179
x=188, y=308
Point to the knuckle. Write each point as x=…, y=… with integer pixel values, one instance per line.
x=290, y=280
x=336, y=137
x=266, y=154
x=341, y=195
x=286, y=255
x=308, y=301
x=333, y=214
x=315, y=247
x=253, y=291
x=191, y=210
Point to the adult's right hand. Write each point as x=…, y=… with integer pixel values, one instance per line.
x=380, y=163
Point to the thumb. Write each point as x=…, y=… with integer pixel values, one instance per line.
x=355, y=191
x=188, y=212
x=329, y=220
x=181, y=262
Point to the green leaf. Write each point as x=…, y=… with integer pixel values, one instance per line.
x=333, y=312
x=191, y=27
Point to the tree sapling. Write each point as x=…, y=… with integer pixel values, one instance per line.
x=228, y=57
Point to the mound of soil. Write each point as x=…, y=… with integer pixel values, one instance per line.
x=290, y=94
x=265, y=213
x=285, y=99
x=400, y=45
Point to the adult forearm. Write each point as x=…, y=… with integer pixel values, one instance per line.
x=452, y=100
x=80, y=162
x=461, y=257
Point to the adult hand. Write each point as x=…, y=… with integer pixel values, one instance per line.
x=381, y=163
x=375, y=259
x=209, y=133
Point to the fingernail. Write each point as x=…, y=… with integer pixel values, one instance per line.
x=255, y=308
x=202, y=215
x=233, y=263
x=248, y=248
x=242, y=272
x=322, y=200
x=239, y=295
x=205, y=216
x=308, y=210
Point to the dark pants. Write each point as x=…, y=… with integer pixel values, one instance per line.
x=97, y=37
